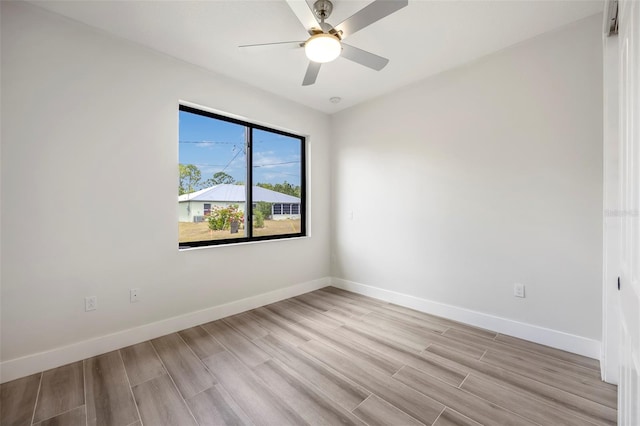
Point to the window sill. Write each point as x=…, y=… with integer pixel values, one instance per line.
x=243, y=243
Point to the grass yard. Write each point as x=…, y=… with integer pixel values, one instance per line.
x=191, y=231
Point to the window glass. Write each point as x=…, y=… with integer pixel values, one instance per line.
x=214, y=204
x=276, y=172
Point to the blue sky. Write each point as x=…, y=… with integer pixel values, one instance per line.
x=216, y=145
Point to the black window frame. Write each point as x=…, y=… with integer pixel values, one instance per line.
x=249, y=184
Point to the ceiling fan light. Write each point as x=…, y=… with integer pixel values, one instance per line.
x=322, y=48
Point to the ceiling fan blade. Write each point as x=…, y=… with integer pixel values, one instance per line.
x=325, y=27
x=312, y=73
x=363, y=57
x=282, y=44
x=368, y=15
x=304, y=14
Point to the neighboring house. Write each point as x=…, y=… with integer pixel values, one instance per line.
x=195, y=206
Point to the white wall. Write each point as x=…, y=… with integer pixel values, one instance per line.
x=89, y=184
x=188, y=209
x=480, y=177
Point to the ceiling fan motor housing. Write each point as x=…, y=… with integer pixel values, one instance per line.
x=322, y=9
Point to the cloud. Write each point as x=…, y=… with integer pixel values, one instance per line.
x=269, y=160
x=205, y=144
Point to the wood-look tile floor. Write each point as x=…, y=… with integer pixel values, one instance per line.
x=328, y=357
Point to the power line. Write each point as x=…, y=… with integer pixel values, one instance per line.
x=214, y=142
x=234, y=157
x=207, y=165
x=255, y=165
x=275, y=164
x=209, y=142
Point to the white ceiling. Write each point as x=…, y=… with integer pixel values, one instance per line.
x=422, y=39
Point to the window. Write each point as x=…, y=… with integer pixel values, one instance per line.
x=238, y=181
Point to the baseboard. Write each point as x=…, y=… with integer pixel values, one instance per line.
x=30, y=364
x=545, y=336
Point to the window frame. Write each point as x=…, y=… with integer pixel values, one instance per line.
x=249, y=184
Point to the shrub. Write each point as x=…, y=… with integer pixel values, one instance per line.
x=264, y=208
x=221, y=217
x=258, y=219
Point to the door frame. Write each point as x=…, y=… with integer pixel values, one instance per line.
x=611, y=223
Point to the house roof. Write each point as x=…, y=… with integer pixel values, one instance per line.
x=236, y=194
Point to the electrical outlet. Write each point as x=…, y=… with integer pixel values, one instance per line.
x=90, y=303
x=134, y=295
x=518, y=290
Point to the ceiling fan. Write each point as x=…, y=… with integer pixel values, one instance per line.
x=326, y=41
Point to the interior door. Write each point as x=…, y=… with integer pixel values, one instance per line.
x=629, y=44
